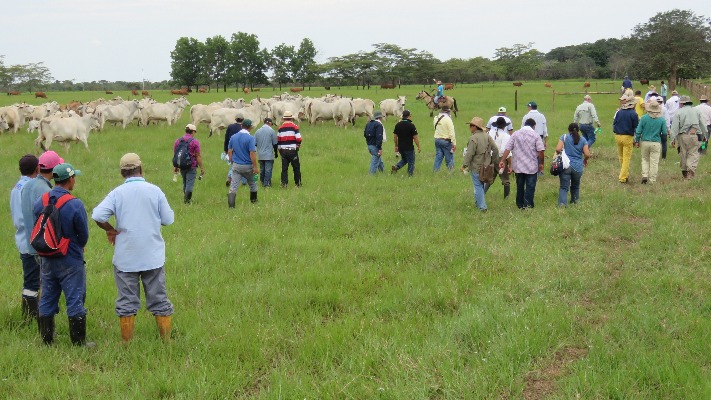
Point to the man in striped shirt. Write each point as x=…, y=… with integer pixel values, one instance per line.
x=288, y=144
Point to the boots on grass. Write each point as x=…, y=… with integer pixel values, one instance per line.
x=164, y=326
x=231, y=200
x=507, y=191
x=29, y=308
x=127, y=323
x=253, y=197
x=77, y=331
x=46, y=328
x=188, y=197
x=684, y=174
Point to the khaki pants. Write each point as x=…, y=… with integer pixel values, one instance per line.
x=624, y=153
x=689, y=154
x=651, y=152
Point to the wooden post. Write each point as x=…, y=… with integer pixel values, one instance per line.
x=553, y=104
x=516, y=100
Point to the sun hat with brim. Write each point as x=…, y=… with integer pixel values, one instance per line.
x=478, y=122
x=130, y=161
x=49, y=159
x=685, y=100
x=64, y=171
x=287, y=115
x=377, y=115
x=653, y=108
x=703, y=98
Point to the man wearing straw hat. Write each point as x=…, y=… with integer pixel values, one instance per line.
x=624, y=126
x=686, y=129
x=481, y=150
x=648, y=137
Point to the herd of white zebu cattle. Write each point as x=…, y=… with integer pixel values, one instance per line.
x=72, y=122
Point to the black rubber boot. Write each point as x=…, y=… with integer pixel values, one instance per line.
x=77, y=331
x=188, y=197
x=253, y=197
x=507, y=191
x=29, y=307
x=683, y=173
x=46, y=329
x=231, y=199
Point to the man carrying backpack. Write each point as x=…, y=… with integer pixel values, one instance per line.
x=186, y=158
x=64, y=272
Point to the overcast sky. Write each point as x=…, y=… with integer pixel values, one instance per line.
x=88, y=40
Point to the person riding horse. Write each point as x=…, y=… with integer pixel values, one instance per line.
x=439, y=96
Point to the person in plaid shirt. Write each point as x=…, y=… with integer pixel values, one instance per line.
x=527, y=162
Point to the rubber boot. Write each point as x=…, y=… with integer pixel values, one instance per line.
x=507, y=191
x=46, y=328
x=690, y=174
x=127, y=324
x=188, y=197
x=684, y=173
x=29, y=307
x=164, y=326
x=231, y=199
x=77, y=331
x=253, y=197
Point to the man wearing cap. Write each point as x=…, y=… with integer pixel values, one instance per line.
x=672, y=104
x=373, y=134
x=527, y=163
x=624, y=125
x=242, y=153
x=445, y=140
x=705, y=111
x=648, y=137
x=289, y=144
x=500, y=134
x=65, y=274
x=481, y=150
x=231, y=130
x=29, y=168
x=140, y=208
x=687, y=126
x=405, y=133
x=31, y=191
x=500, y=114
x=266, y=140
x=189, y=174
x=626, y=84
x=541, y=127
x=585, y=116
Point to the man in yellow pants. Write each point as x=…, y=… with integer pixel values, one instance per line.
x=624, y=126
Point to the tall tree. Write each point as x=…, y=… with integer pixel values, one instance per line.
x=186, y=65
x=520, y=61
x=216, y=60
x=248, y=64
x=304, y=64
x=282, y=57
x=674, y=44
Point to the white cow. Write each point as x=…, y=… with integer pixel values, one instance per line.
x=225, y=116
x=122, y=113
x=14, y=115
x=279, y=107
x=201, y=113
x=343, y=112
x=393, y=107
x=3, y=124
x=45, y=110
x=363, y=108
x=317, y=110
x=66, y=130
x=169, y=112
x=33, y=126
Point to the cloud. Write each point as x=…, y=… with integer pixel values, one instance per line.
x=95, y=42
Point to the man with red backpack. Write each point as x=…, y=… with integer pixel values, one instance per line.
x=64, y=272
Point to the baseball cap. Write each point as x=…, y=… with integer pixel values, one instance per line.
x=192, y=127
x=406, y=113
x=268, y=120
x=532, y=104
x=64, y=171
x=49, y=159
x=247, y=123
x=130, y=161
x=502, y=109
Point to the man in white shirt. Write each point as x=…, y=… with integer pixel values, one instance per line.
x=500, y=133
x=541, y=128
x=705, y=112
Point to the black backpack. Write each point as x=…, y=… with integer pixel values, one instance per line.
x=46, y=237
x=181, y=157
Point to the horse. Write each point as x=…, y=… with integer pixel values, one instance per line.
x=449, y=101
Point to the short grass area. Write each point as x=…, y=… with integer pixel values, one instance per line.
x=387, y=287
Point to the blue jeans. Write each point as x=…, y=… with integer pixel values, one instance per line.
x=31, y=275
x=408, y=157
x=443, y=150
x=189, y=176
x=588, y=132
x=265, y=172
x=569, y=181
x=58, y=277
x=376, y=162
x=478, y=191
x=525, y=189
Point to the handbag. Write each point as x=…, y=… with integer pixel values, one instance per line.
x=486, y=173
x=557, y=165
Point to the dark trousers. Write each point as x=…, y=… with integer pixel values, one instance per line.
x=664, y=146
x=290, y=157
x=31, y=274
x=525, y=189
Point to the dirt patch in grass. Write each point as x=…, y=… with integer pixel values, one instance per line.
x=541, y=383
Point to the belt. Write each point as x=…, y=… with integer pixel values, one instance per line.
x=446, y=140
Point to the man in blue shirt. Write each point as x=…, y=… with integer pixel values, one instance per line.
x=140, y=208
x=242, y=153
x=66, y=273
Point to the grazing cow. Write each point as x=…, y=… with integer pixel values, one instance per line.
x=343, y=112
x=14, y=115
x=40, y=95
x=65, y=130
x=13, y=93
x=145, y=93
x=245, y=90
x=134, y=92
x=448, y=86
x=202, y=90
x=109, y=92
x=363, y=108
x=169, y=112
x=223, y=117
x=518, y=84
x=278, y=108
x=393, y=107
x=387, y=86
x=122, y=113
x=202, y=113
x=586, y=85
x=548, y=85
x=644, y=81
x=45, y=110
x=183, y=92
x=296, y=89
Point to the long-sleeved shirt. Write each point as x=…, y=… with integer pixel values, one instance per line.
x=445, y=128
x=478, y=150
x=75, y=227
x=586, y=114
x=30, y=193
x=541, y=127
x=650, y=129
x=705, y=111
x=625, y=121
x=21, y=231
x=373, y=134
x=288, y=136
x=231, y=130
x=685, y=119
x=141, y=208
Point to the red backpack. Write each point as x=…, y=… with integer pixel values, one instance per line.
x=46, y=237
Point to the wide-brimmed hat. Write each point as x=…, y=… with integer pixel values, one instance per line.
x=703, y=98
x=130, y=161
x=674, y=92
x=685, y=100
x=628, y=101
x=653, y=108
x=287, y=115
x=652, y=88
x=377, y=115
x=478, y=122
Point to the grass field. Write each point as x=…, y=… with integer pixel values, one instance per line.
x=360, y=287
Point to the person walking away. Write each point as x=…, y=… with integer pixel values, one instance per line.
x=651, y=92
x=639, y=104
x=672, y=105
x=188, y=144
x=585, y=116
x=65, y=273
x=663, y=90
x=501, y=113
x=541, y=126
x=624, y=125
x=266, y=141
x=445, y=140
x=373, y=134
x=626, y=84
x=500, y=134
x=289, y=144
x=648, y=138
x=31, y=191
x=242, y=153
x=231, y=130
x=705, y=111
x=527, y=163
x=405, y=133
x=29, y=168
x=686, y=130
x=578, y=151
x=481, y=150
x=140, y=209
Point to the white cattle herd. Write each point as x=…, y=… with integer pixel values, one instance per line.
x=73, y=122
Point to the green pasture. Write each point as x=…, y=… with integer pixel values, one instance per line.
x=386, y=287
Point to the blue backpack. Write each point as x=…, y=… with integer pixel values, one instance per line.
x=181, y=157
